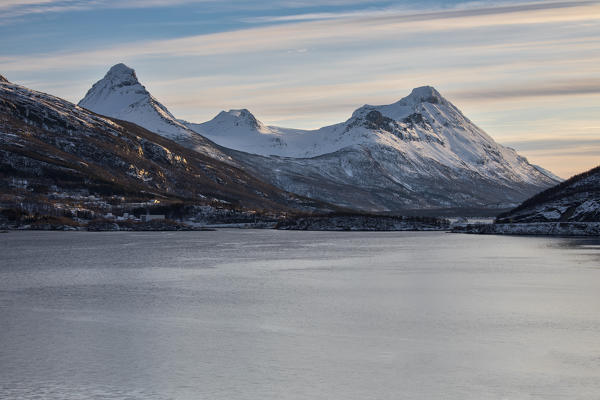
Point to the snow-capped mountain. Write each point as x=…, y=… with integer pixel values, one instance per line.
x=120, y=95
x=50, y=148
x=574, y=200
x=423, y=126
x=240, y=130
x=420, y=152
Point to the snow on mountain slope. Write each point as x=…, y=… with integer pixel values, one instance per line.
x=120, y=95
x=422, y=126
x=420, y=152
x=239, y=129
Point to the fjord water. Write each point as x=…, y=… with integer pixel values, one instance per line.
x=247, y=314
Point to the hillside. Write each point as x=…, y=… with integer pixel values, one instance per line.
x=55, y=155
x=574, y=200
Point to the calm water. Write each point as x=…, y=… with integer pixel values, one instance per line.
x=242, y=314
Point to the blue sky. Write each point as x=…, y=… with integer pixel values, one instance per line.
x=526, y=72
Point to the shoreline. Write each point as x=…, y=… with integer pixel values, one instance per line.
x=556, y=229
x=353, y=223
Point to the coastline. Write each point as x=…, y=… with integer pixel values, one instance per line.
x=532, y=229
x=340, y=223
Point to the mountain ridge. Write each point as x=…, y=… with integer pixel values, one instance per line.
x=419, y=152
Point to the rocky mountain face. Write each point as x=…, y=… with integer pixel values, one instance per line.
x=54, y=152
x=418, y=153
x=574, y=200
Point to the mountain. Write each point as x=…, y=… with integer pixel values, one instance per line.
x=56, y=155
x=240, y=130
x=574, y=200
x=120, y=95
x=418, y=153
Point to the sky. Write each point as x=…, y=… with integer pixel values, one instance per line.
x=528, y=73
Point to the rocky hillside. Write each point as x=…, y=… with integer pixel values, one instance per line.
x=574, y=200
x=59, y=154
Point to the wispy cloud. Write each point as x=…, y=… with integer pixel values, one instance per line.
x=8, y=4
x=404, y=14
x=18, y=8
x=567, y=144
x=539, y=89
x=319, y=16
x=303, y=35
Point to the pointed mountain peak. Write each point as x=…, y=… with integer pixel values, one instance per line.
x=121, y=74
x=407, y=105
x=425, y=94
x=241, y=113
x=3, y=79
x=120, y=95
x=116, y=91
x=240, y=117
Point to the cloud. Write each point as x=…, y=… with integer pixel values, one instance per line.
x=539, y=89
x=8, y=4
x=317, y=16
x=18, y=8
x=306, y=34
x=407, y=15
x=563, y=157
x=552, y=144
